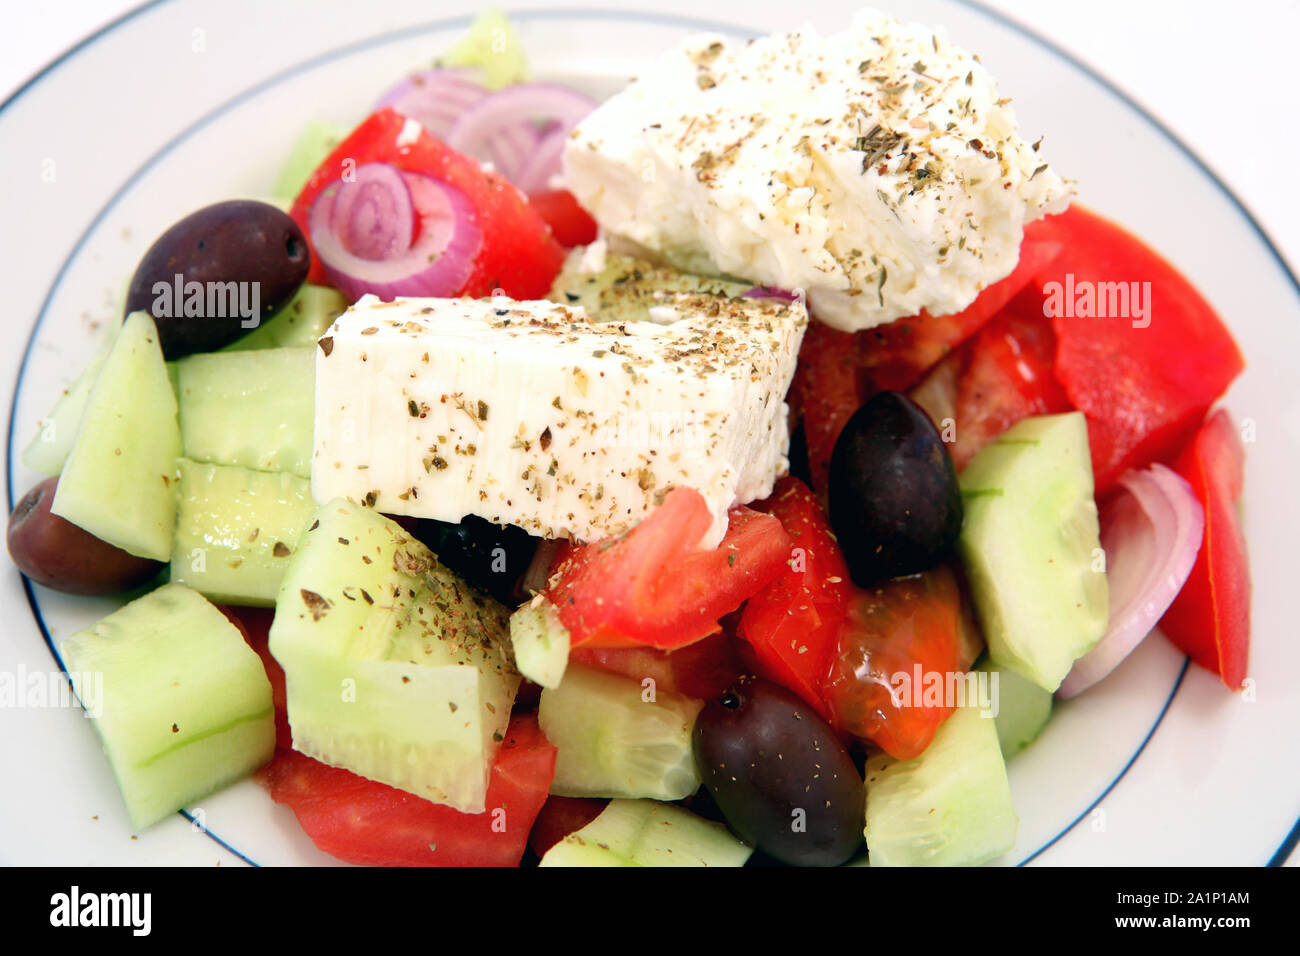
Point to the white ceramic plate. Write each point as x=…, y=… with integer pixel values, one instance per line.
x=184, y=103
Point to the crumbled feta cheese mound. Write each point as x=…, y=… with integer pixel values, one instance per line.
x=878, y=169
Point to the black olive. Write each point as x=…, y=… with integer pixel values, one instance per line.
x=892, y=495
x=780, y=775
x=238, y=263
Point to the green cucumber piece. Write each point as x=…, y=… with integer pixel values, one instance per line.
x=182, y=705
x=951, y=806
x=252, y=409
x=117, y=481
x=235, y=530
x=648, y=833
x=1023, y=709
x=49, y=449
x=494, y=48
x=1030, y=544
x=616, y=738
x=301, y=321
x=540, y=641
x=314, y=144
x=625, y=288
x=394, y=668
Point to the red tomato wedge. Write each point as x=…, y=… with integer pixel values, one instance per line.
x=368, y=823
x=652, y=586
x=569, y=222
x=255, y=624
x=519, y=254
x=561, y=816
x=792, y=623
x=898, y=643
x=895, y=356
x=825, y=393
x=702, y=670
x=1145, y=382
x=1210, y=619
x=837, y=371
x=1008, y=376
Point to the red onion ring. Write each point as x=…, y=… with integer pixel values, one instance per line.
x=436, y=261
x=373, y=213
x=1151, y=533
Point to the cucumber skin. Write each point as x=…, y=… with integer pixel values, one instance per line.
x=951, y=806
x=1024, y=709
x=1030, y=532
x=648, y=833
x=171, y=659
x=253, y=409
x=115, y=485
x=394, y=669
x=244, y=525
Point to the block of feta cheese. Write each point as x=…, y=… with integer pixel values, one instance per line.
x=533, y=414
x=878, y=169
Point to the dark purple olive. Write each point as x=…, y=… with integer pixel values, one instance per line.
x=780, y=775
x=892, y=495
x=488, y=556
x=237, y=263
x=59, y=555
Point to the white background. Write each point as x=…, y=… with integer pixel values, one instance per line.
x=1221, y=76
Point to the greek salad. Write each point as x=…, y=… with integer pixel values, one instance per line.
x=735, y=471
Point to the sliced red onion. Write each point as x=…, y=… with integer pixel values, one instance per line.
x=435, y=98
x=1151, y=533
x=768, y=292
x=536, y=106
x=535, y=174
x=510, y=147
x=373, y=214
x=436, y=262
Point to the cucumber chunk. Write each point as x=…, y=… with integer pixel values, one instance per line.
x=648, y=833
x=298, y=324
x=48, y=451
x=314, y=144
x=251, y=409
x=951, y=806
x=540, y=641
x=117, y=481
x=625, y=288
x=1030, y=544
x=616, y=738
x=394, y=668
x=494, y=48
x=1023, y=709
x=182, y=704
x=235, y=530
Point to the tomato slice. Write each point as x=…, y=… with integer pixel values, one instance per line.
x=561, y=816
x=899, y=642
x=652, y=586
x=368, y=823
x=1008, y=376
x=702, y=670
x=569, y=222
x=1144, y=382
x=895, y=356
x=1210, y=619
x=519, y=254
x=837, y=371
x=792, y=623
x=255, y=624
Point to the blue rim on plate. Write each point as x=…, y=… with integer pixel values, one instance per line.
x=1288, y=843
